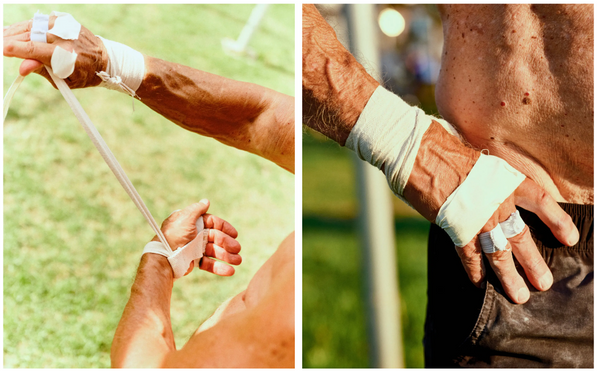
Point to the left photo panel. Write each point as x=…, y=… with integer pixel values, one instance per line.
x=149, y=186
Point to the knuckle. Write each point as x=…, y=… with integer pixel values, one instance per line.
x=9, y=48
x=29, y=48
x=544, y=198
x=536, y=265
x=501, y=257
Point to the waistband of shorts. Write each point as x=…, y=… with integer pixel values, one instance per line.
x=579, y=210
x=583, y=218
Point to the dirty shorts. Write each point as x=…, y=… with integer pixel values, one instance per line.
x=471, y=327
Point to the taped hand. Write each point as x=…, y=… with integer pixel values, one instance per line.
x=92, y=55
x=180, y=228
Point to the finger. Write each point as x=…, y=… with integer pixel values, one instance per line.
x=503, y=264
x=30, y=65
x=18, y=37
x=213, y=250
x=223, y=240
x=29, y=50
x=472, y=261
x=533, y=198
x=216, y=267
x=18, y=28
x=217, y=223
x=531, y=260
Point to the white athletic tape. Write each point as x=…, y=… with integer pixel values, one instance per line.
x=39, y=27
x=470, y=206
x=65, y=26
x=493, y=241
x=125, y=70
x=180, y=259
x=513, y=226
x=10, y=94
x=104, y=150
x=100, y=145
x=389, y=131
x=63, y=62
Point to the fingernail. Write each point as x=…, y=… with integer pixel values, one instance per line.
x=573, y=238
x=523, y=295
x=204, y=201
x=546, y=281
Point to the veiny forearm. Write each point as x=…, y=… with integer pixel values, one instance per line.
x=335, y=91
x=243, y=115
x=335, y=87
x=442, y=164
x=144, y=336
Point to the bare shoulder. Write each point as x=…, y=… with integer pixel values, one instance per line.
x=259, y=334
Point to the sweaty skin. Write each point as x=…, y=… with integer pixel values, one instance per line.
x=519, y=80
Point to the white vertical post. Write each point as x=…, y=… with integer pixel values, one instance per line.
x=376, y=219
x=239, y=46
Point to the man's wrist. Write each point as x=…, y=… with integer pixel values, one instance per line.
x=442, y=164
x=155, y=265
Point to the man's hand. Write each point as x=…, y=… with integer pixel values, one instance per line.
x=442, y=164
x=92, y=56
x=335, y=90
x=180, y=228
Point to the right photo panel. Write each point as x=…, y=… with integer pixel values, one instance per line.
x=447, y=181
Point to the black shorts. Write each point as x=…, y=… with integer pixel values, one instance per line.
x=471, y=327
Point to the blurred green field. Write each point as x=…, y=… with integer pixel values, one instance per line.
x=73, y=238
x=334, y=332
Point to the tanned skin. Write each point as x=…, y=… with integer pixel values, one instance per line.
x=335, y=90
x=254, y=328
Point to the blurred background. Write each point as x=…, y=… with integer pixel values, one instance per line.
x=335, y=311
x=72, y=236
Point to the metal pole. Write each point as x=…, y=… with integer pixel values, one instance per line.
x=239, y=46
x=376, y=220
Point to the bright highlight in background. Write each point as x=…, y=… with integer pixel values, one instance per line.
x=391, y=22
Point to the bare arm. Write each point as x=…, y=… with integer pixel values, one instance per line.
x=144, y=337
x=261, y=335
x=243, y=115
x=336, y=90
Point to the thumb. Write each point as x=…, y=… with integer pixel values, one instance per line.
x=28, y=66
x=200, y=208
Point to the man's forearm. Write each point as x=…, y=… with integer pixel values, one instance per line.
x=144, y=336
x=243, y=115
x=335, y=87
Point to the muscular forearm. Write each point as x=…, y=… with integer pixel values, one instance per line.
x=442, y=163
x=144, y=336
x=243, y=115
x=335, y=87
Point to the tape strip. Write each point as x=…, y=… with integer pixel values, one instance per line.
x=513, y=226
x=389, y=131
x=39, y=27
x=181, y=258
x=470, y=206
x=493, y=241
x=104, y=150
x=65, y=26
x=63, y=62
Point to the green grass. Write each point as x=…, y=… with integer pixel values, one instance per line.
x=334, y=332
x=72, y=237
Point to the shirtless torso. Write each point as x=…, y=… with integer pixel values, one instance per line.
x=518, y=80
x=279, y=267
